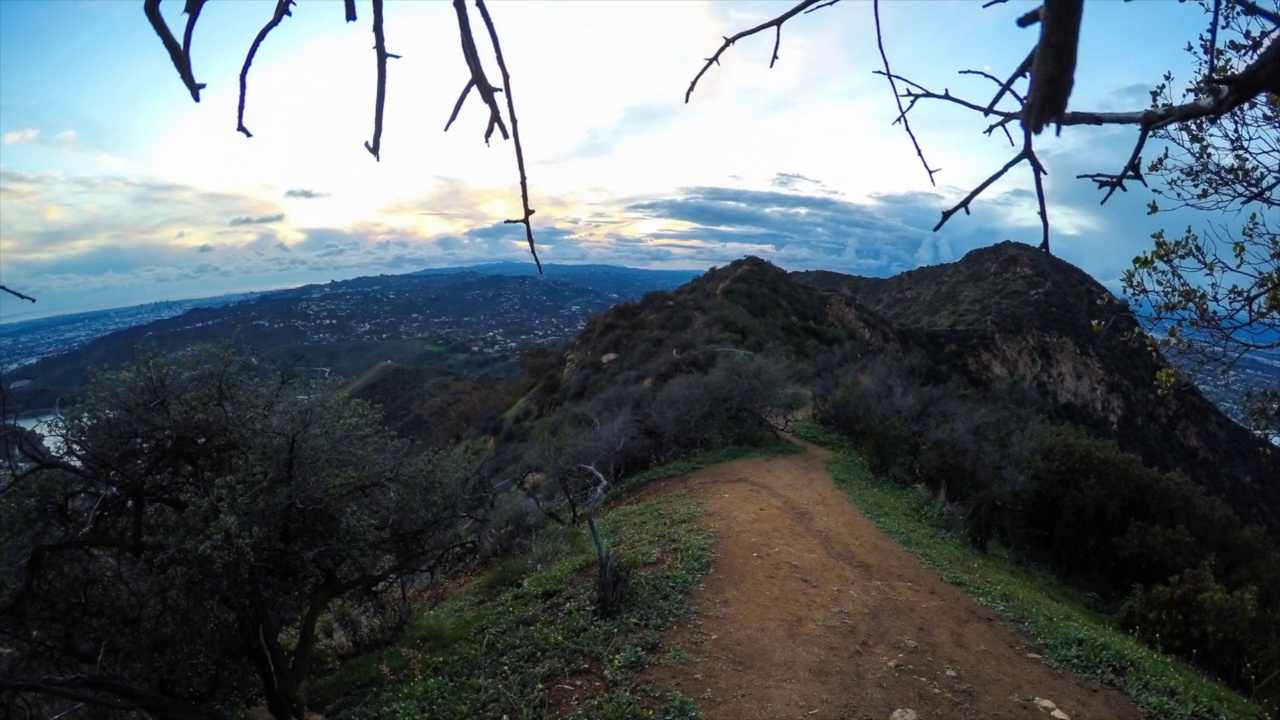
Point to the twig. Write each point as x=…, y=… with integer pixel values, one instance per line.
x=515, y=132
x=774, y=23
x=17, y=294
x=1132, y=170
x=1037, y=172
x=902, y=113
x=1007, y=85
x=380, y=49
x=192, y=10
x=351, y=9
x=964, y=204
x=181, y=61
x=282, y=9
x=478, y=79
x=1003, y=124
x=1213, y=38
x=919, y=92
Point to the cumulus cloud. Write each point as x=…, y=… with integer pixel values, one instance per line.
x=305, y=194
x=204, y=248
x=262, y=220
x=17, y=137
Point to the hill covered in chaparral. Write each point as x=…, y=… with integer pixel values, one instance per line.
x=956, y=492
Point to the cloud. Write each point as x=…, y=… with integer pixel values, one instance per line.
x=204, y=248
x=305, y=194
x=263, y=220
x=19, y=137
x=66, y=136
x=788, y=181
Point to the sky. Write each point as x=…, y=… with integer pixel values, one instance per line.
x=117, y=189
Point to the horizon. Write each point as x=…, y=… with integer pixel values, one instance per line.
x=116, y=203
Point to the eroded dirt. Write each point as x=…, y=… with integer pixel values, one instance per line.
x=813, y=613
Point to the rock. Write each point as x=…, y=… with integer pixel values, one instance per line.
x=1045, y=704
x=1033, y=656
x=951, y=673
x=1059, y=715
x=605, y=360
x=904, y=714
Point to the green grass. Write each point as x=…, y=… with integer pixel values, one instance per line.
x=768, y=446
x=1069, y=634
x=527, y=625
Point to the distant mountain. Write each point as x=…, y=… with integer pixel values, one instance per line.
x=623, y=282
x=27, y=341
x=453, y=320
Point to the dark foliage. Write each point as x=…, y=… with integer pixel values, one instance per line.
x=179, y=555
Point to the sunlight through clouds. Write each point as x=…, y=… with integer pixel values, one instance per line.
x=800, y=162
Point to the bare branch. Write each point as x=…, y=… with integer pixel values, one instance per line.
x=515, y=132
x=1054, y=67
x=1007, y=85
x=1038, y=172
x=478, y=77
x=17, y=294
x=192, y=10
x=964, y=204
x=380, y=50
x=774, y=23
x=457, y=107
x=351, y=9
x=181, y=61
x=282, y=9
x=1132, y=170
x=902, y=114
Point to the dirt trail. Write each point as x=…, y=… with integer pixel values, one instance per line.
x=811, y=612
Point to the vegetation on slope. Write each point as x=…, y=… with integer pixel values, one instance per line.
x=1066, y=625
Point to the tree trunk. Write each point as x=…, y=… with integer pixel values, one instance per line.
x=613, y=581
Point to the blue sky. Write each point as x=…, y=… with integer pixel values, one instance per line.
x=116, y=189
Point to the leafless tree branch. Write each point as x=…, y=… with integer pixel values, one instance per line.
x=350, y=6
x=964, y=204
x=1132, y=170
x=282, y=9
x=380, y=49
x=775, y=23
x=902, y=113
x=515, y=132
x=1038, y=172
x=17, y=294
x=181, y=60
x=478, y=78
x=192, y=10
x=1054, y=67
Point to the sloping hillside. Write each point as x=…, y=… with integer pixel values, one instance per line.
x=1010, y=313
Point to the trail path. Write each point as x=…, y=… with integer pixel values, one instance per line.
x=813, y=613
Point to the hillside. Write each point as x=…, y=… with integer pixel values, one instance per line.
x=1006, y=386
x=455, y=320
x=1010, y=313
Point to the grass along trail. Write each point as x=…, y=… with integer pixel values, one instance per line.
x=811, y=612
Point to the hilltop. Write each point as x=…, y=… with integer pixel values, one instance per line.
x=1012, y=314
